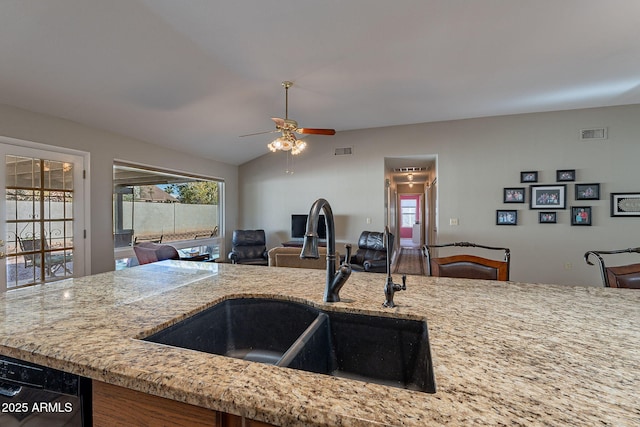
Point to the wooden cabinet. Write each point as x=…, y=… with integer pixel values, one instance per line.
x=229, y=420
x=115, y=406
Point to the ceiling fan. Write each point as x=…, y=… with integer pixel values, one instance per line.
x=288, y=128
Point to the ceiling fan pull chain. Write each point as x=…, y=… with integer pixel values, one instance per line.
x=289, y=171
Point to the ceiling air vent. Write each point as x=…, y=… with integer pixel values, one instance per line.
x=594, y=133
x=410, y=169
x=344, y=151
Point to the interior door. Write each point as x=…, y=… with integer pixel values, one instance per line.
x=42, y=231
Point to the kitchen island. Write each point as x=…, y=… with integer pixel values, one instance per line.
x=503, y=352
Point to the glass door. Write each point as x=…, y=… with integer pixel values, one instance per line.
x=409, y=214
x=43, y=238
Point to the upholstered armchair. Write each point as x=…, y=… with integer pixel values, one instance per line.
x=249, y=247
x=371, y=255
x=148, y=252
x=290, y=257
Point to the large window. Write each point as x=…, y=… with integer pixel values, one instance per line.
x=162, y=206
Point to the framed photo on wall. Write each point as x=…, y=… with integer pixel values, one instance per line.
x=587, y=191
x=506, y=217
x=548, y=196
x=547, y=217
x=513, y=195
x=566, y=175
x=529, y=176
x=580, y=215
x=625, y=204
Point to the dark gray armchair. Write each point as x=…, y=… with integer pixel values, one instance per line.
x=371, y=255
x=249, y=247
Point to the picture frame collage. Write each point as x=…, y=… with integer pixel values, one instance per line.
x=551, y=198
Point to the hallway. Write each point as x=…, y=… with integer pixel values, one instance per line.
x=408, y=243
x=409, y=260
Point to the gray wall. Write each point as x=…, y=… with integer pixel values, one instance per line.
x=104, y=147
x=476, y=159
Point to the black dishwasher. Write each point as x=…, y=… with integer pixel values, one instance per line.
x=33, y=395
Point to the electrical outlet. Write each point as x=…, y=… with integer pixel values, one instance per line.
x=453, y=221
x=568, y=266
x=368, y=220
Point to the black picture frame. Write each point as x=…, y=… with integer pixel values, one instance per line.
x=565, y=175
x=625, y=204
x=506, y=217
x=581, y=215
x=588, y=191
x=514, y=195
x=547, y=217
x=548, y=196
x=529, y=176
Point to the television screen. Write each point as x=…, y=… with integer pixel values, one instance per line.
x=299, y=226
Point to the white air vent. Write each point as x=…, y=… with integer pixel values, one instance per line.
x=594, y=133
x=344, y=151
x=410, y=169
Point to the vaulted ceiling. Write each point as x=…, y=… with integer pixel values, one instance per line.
x=195, y=74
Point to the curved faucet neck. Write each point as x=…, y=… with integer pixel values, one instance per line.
x=314, y=218
x=335, y=279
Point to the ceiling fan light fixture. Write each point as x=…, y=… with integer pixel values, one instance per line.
x=298, y=147
x=286, y=142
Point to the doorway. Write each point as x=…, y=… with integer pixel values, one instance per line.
x=42, y=215
x=410, y=220
x=410, y=203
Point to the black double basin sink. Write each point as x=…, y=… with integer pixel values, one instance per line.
x=383, y=350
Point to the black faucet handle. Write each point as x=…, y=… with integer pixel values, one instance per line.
x=347, y=257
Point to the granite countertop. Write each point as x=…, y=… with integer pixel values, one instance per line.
x=503, y=353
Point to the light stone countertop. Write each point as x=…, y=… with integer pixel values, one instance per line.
x=503, y=353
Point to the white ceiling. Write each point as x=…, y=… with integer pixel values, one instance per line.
x=195, y=74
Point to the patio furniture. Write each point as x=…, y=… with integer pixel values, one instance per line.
x=33, y=254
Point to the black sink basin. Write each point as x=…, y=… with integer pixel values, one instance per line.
x=261, y=330
x=383, y=350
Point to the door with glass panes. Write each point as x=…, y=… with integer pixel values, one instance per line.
x=42, y=212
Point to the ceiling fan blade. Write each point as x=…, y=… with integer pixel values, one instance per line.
x=279, y=122
x=259, y=133
x=313, y=131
